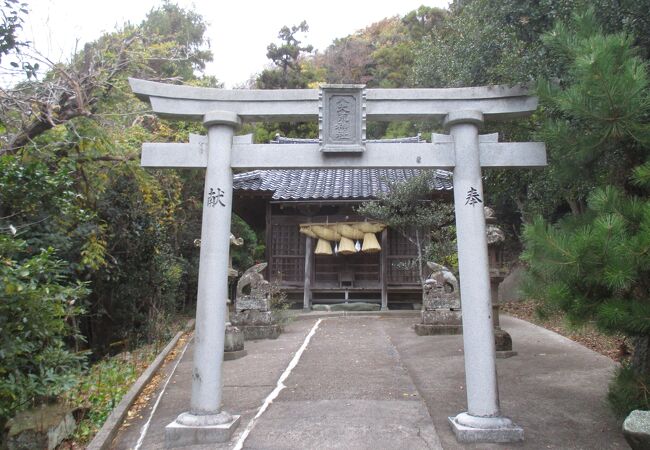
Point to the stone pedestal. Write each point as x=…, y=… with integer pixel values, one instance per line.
x=257, y=332
x=256, y=324
x=440, y=321
x=233, y=347
x=199, y=430
x=441, y=305
x=471, y=429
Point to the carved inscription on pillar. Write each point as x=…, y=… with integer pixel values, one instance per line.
x=342, y=118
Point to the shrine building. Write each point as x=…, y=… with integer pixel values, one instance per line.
x=282, y=202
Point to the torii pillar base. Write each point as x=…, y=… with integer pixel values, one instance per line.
x=471, y=429
x=196, y=432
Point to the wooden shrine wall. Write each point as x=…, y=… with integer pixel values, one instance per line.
x=287, y=254
x=401, y=260
x=286, y=247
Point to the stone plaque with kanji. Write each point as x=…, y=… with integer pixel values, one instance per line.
x=342, y=118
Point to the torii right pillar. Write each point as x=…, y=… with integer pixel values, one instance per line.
x=482, y=422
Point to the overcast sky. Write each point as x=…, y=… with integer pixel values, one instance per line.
x=239, y=30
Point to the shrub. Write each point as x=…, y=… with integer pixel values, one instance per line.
x=37, y=311
x=628, y=391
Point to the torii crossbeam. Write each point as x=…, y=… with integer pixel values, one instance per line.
x=342, y=111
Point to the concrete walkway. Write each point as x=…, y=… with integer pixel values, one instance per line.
x=371, y=383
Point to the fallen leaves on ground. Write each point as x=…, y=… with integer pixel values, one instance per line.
x=616, y=347
x=147, y=396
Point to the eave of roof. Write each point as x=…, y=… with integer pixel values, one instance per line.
x=318, y=184
x=300, y=184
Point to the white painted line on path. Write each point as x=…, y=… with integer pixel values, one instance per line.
x=145, y=427
x=278, y=387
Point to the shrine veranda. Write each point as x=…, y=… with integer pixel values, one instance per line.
x=342, y=112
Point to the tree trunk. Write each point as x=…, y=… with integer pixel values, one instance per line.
x=419, y=246
x=577, y=206
x=641, y=355
x=3, y=433
x=521, y=209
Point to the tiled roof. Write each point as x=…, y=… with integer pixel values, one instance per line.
x=298, y=184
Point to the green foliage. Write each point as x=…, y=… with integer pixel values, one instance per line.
x=243, y=257
x=144, y=266
x=490, y=42
x=594, y=263
x=69, y=178
x=12, y=20
x=12, y=17
x=265, y=132
x=38, y=307
x=381, y=55
x=101, y=388
x=629, y=391
x=504, y=42
x=169, y=29
x=41, y=204
x=292, y=69
x=629, y=16
x=288, y=71
x=482, y=42
x=595, y=266
x=406, y=205
x=461, y=53
x=410, y=208
x=423, y=21
x=604, y=95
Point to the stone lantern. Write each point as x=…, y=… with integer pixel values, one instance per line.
x=233, y=347
x=495, y=239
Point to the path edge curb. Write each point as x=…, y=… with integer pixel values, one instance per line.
x=104, y=437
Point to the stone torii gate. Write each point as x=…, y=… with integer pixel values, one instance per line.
x=342, y=111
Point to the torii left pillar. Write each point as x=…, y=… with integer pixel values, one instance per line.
x=206, y=422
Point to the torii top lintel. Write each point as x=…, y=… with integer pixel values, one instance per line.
x=192, y=103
